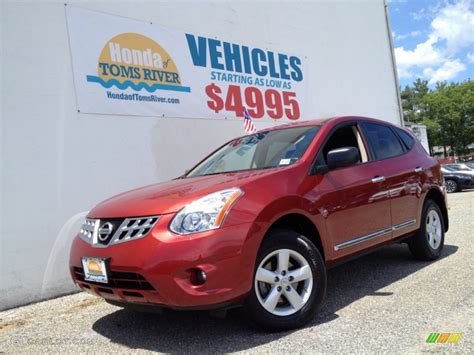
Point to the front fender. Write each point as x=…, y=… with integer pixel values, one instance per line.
x=271, y=213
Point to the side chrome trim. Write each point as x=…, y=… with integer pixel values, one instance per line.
x=403, y=225
x=373, y=235
x=364, y=238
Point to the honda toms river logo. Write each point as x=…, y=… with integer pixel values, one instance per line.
x=94, y=267
x=131, y=60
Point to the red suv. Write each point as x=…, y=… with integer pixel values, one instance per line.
x=259, y=220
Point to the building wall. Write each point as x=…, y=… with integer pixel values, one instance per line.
x=56, y=163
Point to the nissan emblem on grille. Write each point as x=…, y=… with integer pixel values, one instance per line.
x=105, y=231
x=101, y=233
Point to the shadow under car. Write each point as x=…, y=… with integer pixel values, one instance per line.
x=197, y=331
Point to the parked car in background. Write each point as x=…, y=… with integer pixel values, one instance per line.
x=459, y=167
x=456, y=180
x=470, y=164
x=257, y=222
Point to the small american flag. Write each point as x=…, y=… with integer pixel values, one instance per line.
x=249, y=127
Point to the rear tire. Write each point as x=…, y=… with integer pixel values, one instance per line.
x=428, y=242
x=451, y=186
x=289, y=282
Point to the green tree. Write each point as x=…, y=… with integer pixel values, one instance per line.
x=412, y=100
x=448, y=113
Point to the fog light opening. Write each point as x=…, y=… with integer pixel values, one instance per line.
x=198, y=277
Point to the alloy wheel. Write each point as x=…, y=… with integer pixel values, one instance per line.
x=433, y=229
x=451, y=186
x=283, y=282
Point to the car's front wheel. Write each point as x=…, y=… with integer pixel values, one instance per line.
x=289, y=282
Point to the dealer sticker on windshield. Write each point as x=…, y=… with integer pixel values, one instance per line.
x=94, y=270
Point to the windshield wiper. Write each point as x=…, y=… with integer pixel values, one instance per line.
x=238, y=171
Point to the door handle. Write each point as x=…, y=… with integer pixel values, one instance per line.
x=418, y=169
x=378, y=179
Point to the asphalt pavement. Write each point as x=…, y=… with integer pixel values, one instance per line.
x=383, y=302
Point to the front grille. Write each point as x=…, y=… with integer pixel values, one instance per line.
x=109, y=231
x=125, y=280
x=134, y=228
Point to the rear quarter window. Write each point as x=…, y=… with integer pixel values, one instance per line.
x=407, y=139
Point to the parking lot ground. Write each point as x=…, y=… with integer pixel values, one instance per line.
x=383, y=302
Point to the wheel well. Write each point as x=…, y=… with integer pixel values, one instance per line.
x=303, y=225
x=438, y=197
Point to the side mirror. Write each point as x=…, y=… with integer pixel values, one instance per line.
x=342, y=157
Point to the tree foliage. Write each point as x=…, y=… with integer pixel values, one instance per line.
x=447, y=110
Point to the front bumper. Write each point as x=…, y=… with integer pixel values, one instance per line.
x=158, y=268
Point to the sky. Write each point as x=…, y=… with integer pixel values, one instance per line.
x=433, y=39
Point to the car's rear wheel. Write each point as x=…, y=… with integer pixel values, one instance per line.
x=428, y=242
x=451, y=186
x=289, y=282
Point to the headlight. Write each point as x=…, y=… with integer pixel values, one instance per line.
x=206, y=213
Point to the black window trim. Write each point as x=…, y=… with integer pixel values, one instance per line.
x=400, y=138
x=405, y=150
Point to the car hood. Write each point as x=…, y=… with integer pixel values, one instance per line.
x=170, y=196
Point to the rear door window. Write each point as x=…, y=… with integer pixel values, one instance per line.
x=383, y=141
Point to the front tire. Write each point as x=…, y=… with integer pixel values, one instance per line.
x=289, y=282
x=428, y=242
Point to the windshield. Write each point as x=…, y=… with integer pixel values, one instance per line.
x=263, y=150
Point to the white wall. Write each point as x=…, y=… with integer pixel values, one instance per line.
x=56, y=163
x=1, y=149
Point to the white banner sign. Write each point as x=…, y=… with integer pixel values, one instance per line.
x=128, y=67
